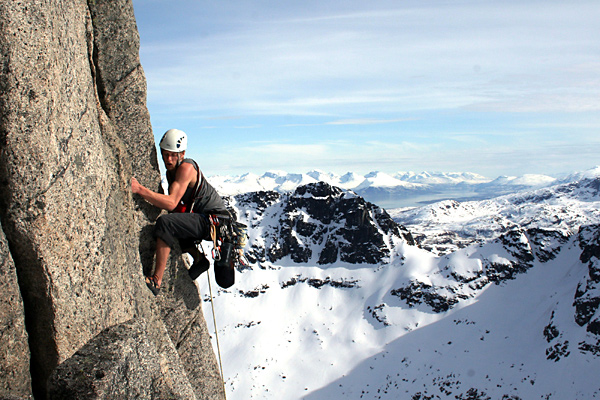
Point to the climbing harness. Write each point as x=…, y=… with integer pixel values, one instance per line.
x=229, y=238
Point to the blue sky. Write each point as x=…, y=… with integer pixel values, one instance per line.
x=487, y=86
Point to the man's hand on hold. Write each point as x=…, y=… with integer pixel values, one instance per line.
x=135, y=186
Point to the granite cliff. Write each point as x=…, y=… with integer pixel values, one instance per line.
x=76, y=318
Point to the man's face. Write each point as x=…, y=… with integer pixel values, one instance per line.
x=171, y=159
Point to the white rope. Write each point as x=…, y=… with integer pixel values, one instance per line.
x=212, y=304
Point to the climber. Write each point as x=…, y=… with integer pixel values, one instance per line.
x=190, y=200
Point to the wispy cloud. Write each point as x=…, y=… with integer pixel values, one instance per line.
x=367, y=121
x=308, y=62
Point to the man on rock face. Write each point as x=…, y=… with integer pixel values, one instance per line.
x=190, y=200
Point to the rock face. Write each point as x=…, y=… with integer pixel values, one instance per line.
x=587, y=297
x=126, y=355
x=74, y=129
x=14, y=352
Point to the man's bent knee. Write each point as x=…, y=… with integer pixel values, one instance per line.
x=163, y=232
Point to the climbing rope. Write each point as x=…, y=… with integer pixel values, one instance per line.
x=212, y=304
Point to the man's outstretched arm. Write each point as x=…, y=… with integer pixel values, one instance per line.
x=185, y=175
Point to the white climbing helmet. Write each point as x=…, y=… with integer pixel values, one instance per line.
x=174, y=140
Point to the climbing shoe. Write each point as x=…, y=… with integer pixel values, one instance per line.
x=200, y=265
x=152, y=285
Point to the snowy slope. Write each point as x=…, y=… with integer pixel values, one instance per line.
x=491, y=348
x=512, y=314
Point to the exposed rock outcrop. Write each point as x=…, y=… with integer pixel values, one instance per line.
x=14, y=351
x=587, y=297
x=119, y=353
x=74, y=128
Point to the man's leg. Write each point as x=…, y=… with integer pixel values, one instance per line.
x=200, y=263
x=168, y=230
x=190, y=247
x=162, y=256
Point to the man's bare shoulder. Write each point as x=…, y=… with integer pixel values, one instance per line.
x=185, y=172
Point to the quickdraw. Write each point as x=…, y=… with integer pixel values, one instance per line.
x=214, y=222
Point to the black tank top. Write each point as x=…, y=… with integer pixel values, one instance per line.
x=208, y=200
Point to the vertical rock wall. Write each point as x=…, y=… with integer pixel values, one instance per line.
x=14, y=353
x=74, y=128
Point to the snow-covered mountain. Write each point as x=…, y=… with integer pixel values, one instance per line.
x=390, y=191
x=442, y=178
x=382, y=180
x=345, y=300
x=446, y=226
x=577, y=176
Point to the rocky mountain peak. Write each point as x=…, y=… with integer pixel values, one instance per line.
x=319, y=222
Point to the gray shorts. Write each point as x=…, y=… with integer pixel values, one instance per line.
x=182, y=228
